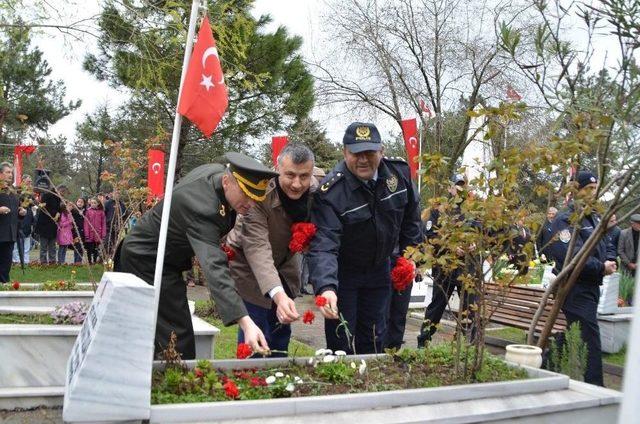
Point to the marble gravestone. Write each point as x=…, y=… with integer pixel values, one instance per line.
x=109, y=370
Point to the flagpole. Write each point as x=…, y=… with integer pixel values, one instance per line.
x=420, y=157
x=173, y=156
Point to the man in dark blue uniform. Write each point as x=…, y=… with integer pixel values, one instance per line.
x=581, y=304
x=445, y=282
x=365, y=207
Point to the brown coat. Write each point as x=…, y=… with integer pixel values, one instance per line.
x=261, y=242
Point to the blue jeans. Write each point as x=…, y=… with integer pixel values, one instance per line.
x=277, y=334
x=363, y=301
x=27, y=248
x=62, y=254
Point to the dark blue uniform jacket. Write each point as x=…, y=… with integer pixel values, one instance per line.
x=593, y=271
x=358, y=229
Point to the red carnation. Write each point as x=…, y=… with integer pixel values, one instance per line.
x=243, y=351
x=16, y=285
x=402, y=274
x=321, y=301
x=198, y=372
x=308, y=317
x=258, y=381
x=301, y=235
x=231, y=254
x=230, y=389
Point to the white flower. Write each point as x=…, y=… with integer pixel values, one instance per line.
x=311, y=361
x=353, y=365
x=297, y=380
x=279, y=374
x=270, y=380
x=363, y=367
x=290, y=387
x=328, y=359
x=340, y=353
x=323, y=352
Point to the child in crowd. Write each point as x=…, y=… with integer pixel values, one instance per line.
x=95, y=229
x=78, y=230
x=64, y=237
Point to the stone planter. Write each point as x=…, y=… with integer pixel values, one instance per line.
x=38, y=286
x=614, y=331
x=34, y=360
x=43, y=298
x=546, y=397
x=530, y=356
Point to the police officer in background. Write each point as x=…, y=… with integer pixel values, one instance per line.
x=444, y=283
x=581, y=304
x=365, y=207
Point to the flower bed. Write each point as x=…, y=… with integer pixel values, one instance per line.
x=326, y=374
x=544, y=396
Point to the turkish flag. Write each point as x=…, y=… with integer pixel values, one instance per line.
x=155, y=174
x=410, y=135
x=204, y=97
x=277, y=143
x=18, y=150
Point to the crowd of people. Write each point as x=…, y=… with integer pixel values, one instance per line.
x=43, y=217
x=246, y=225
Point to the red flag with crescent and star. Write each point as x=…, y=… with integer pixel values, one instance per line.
x=410, y=135
x=155, y=175
x=204, y=96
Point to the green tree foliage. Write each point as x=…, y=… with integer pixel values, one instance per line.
x=141, y=47
x=30, y=101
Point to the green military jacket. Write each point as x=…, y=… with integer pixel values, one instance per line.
x=200, y=216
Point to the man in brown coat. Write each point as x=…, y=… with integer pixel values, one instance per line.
x=266, y=272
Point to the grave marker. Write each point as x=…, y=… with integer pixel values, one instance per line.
x=109, y=370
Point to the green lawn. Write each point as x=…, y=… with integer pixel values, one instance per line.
x=25, y=319
x=227, y=340
x=35, y=273
x=517, y=335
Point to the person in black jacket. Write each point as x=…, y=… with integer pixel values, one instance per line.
x=365, y=208
x=545, y=235
x=78, y=229
x=25, y=226
x=10, y=214
x=581, y=304
x=47, y=222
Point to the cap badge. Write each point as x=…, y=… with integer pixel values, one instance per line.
x=363, y=133
x=392, y=183
x=593, y=179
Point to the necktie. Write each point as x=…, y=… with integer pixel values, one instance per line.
x=372, y=185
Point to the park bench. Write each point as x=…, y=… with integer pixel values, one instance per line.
x=515, y=306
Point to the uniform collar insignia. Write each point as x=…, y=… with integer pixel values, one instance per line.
x=223, y=210
x=392, y=183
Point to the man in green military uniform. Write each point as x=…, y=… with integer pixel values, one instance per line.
x=203, y=210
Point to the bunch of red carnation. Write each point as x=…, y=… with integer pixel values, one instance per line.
x=402, y=274
x=243, y=351
x=301, y=235
x=230, y=389
x=231, y=254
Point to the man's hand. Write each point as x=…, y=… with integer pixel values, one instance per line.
x=610, y=267
x=286, y=311
x=4, y=210
x=459, y=251
x=253, y=335
x=330, y=310
x=22, y=211
x=632, y=266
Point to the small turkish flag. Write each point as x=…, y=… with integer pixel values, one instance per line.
x=204, y=97
x=411, y=144
x=155, y=174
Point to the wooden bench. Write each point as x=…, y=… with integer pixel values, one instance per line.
x=515, y=306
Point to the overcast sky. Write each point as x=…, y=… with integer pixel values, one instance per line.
x=300, y=17
x=65, y=57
